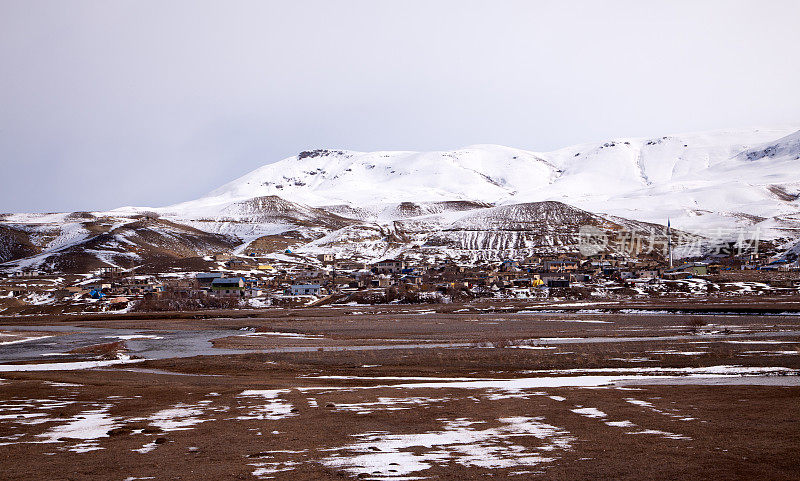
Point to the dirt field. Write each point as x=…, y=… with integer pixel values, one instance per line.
x=366, y=396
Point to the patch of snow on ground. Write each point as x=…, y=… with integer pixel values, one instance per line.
x=272, y=408
x=87, y=426
x=25, y=339
x=678, y=353
x=146, y=448
x=775, y=353
x=689, y=371
x=388, y=404
x=620, y=424
x=589, y=412
x=663, y=434
x=385, y=455
x=27, y=418
x=293, y=335
x=768, y=341
x=130, y=337
x=258, y=303
x=64, y=366
x=638, y=402
x=179, y=418
x=266, y=468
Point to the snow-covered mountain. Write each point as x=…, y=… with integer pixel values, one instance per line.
x=483, y=201
x=701, y=181
x=80, y=242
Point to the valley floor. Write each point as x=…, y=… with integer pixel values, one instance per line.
x=399, y=392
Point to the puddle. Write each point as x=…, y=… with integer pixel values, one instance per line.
x=189, y=343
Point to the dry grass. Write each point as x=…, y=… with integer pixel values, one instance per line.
x=108, y=350
x=737, y=432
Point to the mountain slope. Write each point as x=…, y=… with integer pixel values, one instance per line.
x=98, y=242
x=480, y=202
x=481, y=233
x=701, y=181
x=15, y=244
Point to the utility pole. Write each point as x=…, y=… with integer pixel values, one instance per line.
x=669, y=243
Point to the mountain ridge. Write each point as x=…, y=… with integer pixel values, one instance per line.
x=479, y=202
x=680, y=177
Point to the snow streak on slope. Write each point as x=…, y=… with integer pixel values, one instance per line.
x=87, y=243
x=482, y=233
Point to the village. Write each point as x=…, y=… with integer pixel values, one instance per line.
x=397, y=240
x=292, y=280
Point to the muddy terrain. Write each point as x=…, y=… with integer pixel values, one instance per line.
x=402, y=393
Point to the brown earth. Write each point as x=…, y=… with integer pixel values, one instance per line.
x=707, y=432
x=756, y=304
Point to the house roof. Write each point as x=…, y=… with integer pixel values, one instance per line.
x=209, y=275
x=686, y=266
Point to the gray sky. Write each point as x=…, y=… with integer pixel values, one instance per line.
x=112, y=103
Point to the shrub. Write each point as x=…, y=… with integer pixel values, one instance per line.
x=108, y=350
x=695, y=323
x=172, y=303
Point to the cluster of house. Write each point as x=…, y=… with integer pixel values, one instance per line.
x=246, y=277
x=329, y=276
x=114, y=289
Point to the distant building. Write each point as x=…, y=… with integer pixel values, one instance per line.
x=235, y=263
x=553, y=279
x=28, y=273
x=154, y=286
x=649, y=273
x=626, y=275
x=509, y=265
x=561, y=266
x=110, y=271
x=326, y=258
x=581, y=277
x=350, y=265
x=305, y=290
x=206, y=278
x=228, y=287
x=692, y=269
x=558, y=283
x=310, y=274
x=389, y=266
x=381, y=281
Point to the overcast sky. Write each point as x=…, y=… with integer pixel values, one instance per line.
x=111, y=103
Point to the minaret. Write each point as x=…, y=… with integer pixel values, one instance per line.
x=669, y=243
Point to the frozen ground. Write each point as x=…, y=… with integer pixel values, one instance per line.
x=579, y=409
